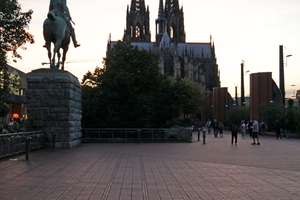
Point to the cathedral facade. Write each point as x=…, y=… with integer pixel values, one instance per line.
x=174, y=55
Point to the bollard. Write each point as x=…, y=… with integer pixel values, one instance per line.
x=27, y=147
x=198, y=134
x=54, y=141
x=204, y=136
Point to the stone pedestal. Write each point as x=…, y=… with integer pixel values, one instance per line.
x=55, y=97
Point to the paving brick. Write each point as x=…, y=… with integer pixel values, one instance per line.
x=216, y=170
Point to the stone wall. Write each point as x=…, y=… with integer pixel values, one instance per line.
x=58, y=95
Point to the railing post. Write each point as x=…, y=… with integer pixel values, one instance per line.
x=27, y=147
x=152, y=135
x=204, y=135
x=139, y=135
x=198, y=134
x=125, y=136
x=165, y=135
x=54, y=141
x=0, y=148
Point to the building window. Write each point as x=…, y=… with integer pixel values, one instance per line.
x=131, y=31
x=137, y=32
x=171, y=32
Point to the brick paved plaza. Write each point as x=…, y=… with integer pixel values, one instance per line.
x=216, y=170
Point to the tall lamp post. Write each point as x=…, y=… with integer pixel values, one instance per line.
x=281, y=73
x=242, y=84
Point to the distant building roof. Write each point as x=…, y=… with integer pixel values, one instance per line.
x=21, y=74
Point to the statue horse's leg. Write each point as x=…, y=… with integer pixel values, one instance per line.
x=58, y=59
x=65, y=50
x=55, y=51
x=48, y=47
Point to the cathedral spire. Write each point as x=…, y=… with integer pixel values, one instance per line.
x=137, y=22
x=161, y=14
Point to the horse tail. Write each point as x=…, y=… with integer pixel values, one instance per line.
x=51, y=15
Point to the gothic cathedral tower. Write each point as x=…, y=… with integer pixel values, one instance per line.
x=171, y=20
x=137, y=22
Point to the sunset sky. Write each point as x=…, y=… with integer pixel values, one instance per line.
x=249, y=30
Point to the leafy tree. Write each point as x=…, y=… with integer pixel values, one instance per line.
x=13, y=35
x=130, y=91
x=272, y=112
x=237, y=114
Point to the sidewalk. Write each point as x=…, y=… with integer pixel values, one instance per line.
x=216, y=170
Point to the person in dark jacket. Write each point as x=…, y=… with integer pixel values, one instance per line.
x=215, y=125
x=234, y=130
x=278, y=129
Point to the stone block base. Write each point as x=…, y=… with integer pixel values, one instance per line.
x=56, y=95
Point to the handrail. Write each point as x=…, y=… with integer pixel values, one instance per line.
x=15, y=143
x=125, y=135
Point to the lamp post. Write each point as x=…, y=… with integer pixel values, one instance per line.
x=286, y=58
x=242, y=83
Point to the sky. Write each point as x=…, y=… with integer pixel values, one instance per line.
x=249, y=30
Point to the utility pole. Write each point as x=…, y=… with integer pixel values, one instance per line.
x=242, y=84
x=236, y=99
x=281, y=74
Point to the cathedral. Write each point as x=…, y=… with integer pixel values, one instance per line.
x=174, y=55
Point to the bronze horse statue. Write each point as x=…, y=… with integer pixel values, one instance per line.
x=56, y=31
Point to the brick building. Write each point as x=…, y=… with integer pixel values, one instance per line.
x=263, y=90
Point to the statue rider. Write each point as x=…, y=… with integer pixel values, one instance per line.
x=60, y=9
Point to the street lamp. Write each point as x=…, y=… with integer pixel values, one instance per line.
x=286, y=58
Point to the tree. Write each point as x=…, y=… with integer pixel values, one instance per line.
x=13, y=35
x=130, y=91
x=237, y=114
x=272, y=112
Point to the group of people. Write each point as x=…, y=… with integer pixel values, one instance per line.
x=278, y=129
x=217, y=127
x=253, y=128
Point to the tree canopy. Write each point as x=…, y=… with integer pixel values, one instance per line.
x=13, y=35
x=130, y=91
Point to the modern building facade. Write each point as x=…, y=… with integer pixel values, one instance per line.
x=263, y=90
x=174, y=55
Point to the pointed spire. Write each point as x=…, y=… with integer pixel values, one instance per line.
x=161, y=14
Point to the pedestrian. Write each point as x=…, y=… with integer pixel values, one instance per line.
x=250, y=128
x=215, y=125
x=263, y=127
x=287, y=129
x=221, y=126
x=208, y=125
x=255, y=127
x=278, y=129
x=234, y=130
x=243, y=129
x=247, y=127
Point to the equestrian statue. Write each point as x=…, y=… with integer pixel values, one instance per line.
x=58, y=30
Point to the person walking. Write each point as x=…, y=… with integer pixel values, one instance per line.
x=287, y=129
x=215, y=125
x=255, y=127
x=250, y=128
x=278, y=129
x=243, y=129
x=263, y=127
x=221, y=129
x=234, y=130
x=208, y=125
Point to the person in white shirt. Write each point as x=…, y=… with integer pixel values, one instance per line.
x=255, y=127
x=208, y=125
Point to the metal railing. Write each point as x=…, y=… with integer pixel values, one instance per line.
x=133, y=135
x=15, y=143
